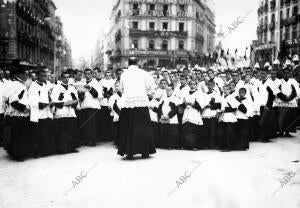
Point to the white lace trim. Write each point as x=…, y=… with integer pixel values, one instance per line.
x=137, y=101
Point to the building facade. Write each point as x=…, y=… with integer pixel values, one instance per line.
x=28, y=33
x=164, y=33
x=63, y=52
x=278, y=32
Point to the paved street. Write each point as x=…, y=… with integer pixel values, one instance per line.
x=212, y=179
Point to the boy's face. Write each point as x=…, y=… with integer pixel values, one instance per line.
x=211, y=75
x=242, y=93
x=183, y=81
x=117, y=86
x=210, y=86
x=247, y=78
x=232, y=87
x=226, y=90
x=193, y=85
x=169, y=92
x=163, y=84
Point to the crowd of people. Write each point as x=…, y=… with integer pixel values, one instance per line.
x=193, y=108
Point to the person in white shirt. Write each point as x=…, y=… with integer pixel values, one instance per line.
x=169, y=137
x=135, y=124
x=243, y=113
x=41, y=115
x=268, y=90
x=89, y=104
x=210, y=117
x=194, y=102
x=227, y=126
x=115, y=105
x=65, y=99
x=21, y=143
x=105, y=120
x=287, y=103
x=2, y=107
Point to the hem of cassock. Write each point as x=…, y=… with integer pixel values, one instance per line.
x=136, y=134
x=169, y=136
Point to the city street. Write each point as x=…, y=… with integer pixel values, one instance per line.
x=98, y=177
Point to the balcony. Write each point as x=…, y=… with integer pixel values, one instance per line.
x=264, y=27
x=155, y=33
x=272, y=26
x=260, y=11
x=118, y=35
x=287, y=2
x=266, y=8
x=273, y=5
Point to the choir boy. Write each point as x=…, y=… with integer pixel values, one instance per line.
x=287, y=103
x=193, y=102
x=115, y=104
x=41, y=115
x=243, y=113
x=153, y=110
x=105, y=120
x=65, y=99
x=267, y=92
x=228, y=120
x=89, y=103
x=210, y=117
x=21, y=143
x=169, y=127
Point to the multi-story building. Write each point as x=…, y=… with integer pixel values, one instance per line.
x=163, y=33
x=28, y=32
x=63, y=52
x=278, y=32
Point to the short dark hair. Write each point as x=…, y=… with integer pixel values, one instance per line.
x=97, y=69
x=64, y=73
x=87, y=69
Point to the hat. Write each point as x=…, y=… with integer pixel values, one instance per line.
x=296, y=58
x=276, y=62
x=256, y=66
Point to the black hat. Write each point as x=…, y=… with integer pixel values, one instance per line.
x=132, y=61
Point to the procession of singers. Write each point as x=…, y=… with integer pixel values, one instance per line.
x=188, y=109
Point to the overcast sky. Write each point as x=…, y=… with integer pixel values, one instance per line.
x=84, y=19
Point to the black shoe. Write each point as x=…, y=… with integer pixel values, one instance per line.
x=287, y=134
x=92, y=145
x=145, y=156
x=279, y=135
x=20, y=159
x=129, y=157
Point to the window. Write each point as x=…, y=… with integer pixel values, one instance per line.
x=165, y=10
x=165, y=26
x=182, y=8
x=273, y=18
x=272, y=36
x=287, y=13
x=281, y=35
x=135, y=6
x=294, y=35
x=151, y=44
x=295, y=10
x=164, y=45
x=135, y=44
x=181, y=26
x=265, y=37
x=287, y=33
x=152, y=7
x=135, y=25
x=151, y=25
x=181, y=45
